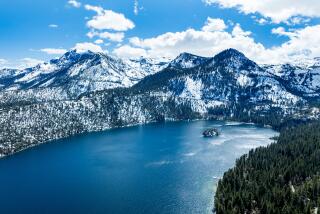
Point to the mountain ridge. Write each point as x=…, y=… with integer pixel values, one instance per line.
x=228, y=86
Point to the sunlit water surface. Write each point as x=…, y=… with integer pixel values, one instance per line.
x=156, y=168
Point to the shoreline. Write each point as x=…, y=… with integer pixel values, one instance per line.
x=127, y=126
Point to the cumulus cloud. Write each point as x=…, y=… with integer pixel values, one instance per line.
x=74, y=3
x=301, y=43
x=87, y=46
x=53, y=26
x=282, y=32
x=99, y=41
x=108, y=20
x=262, y=21
x=238, y=31
x=54, y=51
x=277, y=10
x=29, y=62
x=128, y=51
x=97, y=9
x=214, y=25
x=114, y=37
x=200, y=42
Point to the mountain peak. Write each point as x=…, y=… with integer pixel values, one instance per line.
x=75, y=56
x=229, y=53
x=186, y=55
x=234, y=59
x=188, y=60
x=70, y=55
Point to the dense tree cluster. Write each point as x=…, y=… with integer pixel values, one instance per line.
x=281, y=178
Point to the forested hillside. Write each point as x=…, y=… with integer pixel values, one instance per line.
x=281, y=178
x=226, y=86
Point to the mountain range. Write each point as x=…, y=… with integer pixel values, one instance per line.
x=84, y=92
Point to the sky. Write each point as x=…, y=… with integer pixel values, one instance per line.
x=269, y=31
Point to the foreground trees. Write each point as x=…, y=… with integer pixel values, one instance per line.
x=282, y=178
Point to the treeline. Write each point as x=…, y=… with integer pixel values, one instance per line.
x=281, y=178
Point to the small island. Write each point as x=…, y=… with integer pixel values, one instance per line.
x=211, y=132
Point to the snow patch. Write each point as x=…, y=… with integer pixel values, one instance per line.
x=192, y=89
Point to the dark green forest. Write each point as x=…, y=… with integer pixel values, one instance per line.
x=281, y=178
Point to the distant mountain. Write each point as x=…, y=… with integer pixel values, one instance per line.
x=302, y=78
x=72, y=75
x=81, y=72
x=115, y=93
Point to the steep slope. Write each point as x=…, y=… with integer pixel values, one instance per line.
x=228, y=85
x=187, y=60
x=228, y=77
x=71, y=75
x=81, y=72
x=302, y=78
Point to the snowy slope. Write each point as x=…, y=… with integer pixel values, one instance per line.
x=187, y=60
x=81, y=72
x=228, y=85
x=299, y=77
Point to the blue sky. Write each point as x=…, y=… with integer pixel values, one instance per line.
x=29, y=26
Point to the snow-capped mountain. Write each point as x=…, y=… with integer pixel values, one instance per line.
x=228, y=85
x=187, y=60
x=81, y=72
x=227, y=77
x=72, y=75
x=302, y=77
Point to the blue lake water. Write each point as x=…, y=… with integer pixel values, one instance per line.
x=155, y=168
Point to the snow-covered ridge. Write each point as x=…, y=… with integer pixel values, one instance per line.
x=187, y=60
x=229, y=85
x=81, y=72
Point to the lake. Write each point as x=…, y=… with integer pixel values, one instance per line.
x=156, y=168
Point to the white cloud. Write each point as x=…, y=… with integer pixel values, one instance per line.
x=97, y=9
x=20, y=63
x=127, y=51
x=282, y=32
x=214, y=25
x=53, y=26
x=136, y=7
x=238, y=31
x=262, y=21
x=277, y=10
x=99, y=41
x=108, y=20
x=55, y=51
x=298, y=20
x=92, y=34
x=114, y=37
x=301, y=43
x=74, y=3
x=205, y=43
x=3, y=63
x=87, y=46
x=29, y=62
